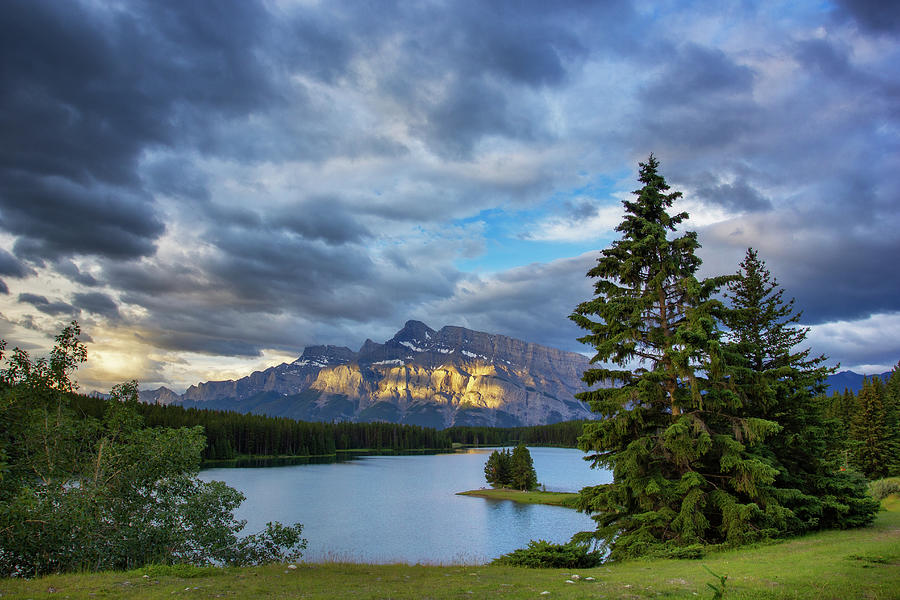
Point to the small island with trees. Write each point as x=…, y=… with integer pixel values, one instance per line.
x=511, y=476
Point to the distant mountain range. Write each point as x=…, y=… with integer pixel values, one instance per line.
x=850, y=380
x=454, y=376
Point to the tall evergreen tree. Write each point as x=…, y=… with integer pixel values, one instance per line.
x=672, y=432
x=871, y=440
x=497, y=470
x=892, y=418
x=777, y=380
x=521, y=469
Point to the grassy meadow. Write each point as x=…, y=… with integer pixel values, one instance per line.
x=859, y=563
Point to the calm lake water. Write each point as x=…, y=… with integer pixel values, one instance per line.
x=385, y=509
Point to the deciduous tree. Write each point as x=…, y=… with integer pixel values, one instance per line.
x=81, y=493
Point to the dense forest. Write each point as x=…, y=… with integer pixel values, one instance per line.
x=230, y=434
x=867, y=426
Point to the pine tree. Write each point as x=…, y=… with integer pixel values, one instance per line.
x=892, y=418
x=521, y=467
x=778, y=381
x=871, y=440
x=498, y=469
x=672, y=432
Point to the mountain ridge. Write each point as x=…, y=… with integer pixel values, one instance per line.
x=421, y=376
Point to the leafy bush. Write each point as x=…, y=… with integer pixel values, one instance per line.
x=883, y=488
x=545, y=555
x=79, y=493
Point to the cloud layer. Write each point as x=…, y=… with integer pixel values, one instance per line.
x=211, y=187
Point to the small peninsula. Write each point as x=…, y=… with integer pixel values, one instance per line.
x=566, y=499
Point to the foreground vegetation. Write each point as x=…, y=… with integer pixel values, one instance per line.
x=566, y=499
x=857, y=563
x=82, y=493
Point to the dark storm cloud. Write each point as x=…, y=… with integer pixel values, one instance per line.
x=87, y=89
x=701, y=99
x=4, y=289
x=55, y=217
x=322, y=219
x=98, y=303
x=465, y=68
x=73, y=273
x=875, y=15
x=11, y=266
x=739, y=196
x=45, y=306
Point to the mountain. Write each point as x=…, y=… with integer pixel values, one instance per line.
x=850, y=380
x=454, y=376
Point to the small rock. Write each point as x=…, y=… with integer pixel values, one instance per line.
x=569, y=581
x=545, y=593
x=628, y=585
x=146, y=577
x=292, y=567
x=589, y=579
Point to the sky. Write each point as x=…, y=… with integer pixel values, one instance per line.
x=208, y=187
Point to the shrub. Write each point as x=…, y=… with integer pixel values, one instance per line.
x=883, y=488
x=545, y=555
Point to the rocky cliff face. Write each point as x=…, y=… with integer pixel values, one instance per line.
x=453, y=376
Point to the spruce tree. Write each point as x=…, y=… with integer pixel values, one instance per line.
x=521, y=467
x=892, y=418
x=778, y=381
x=671, y=429
x=497, y=469
x=870, y=437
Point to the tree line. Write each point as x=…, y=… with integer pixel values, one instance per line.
x=564, y=434
x=867, y=435
x=230, y=434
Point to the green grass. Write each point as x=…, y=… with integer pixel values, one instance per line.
x=553, y=498
x=858, y=563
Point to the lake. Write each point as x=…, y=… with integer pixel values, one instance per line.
x=387, y=509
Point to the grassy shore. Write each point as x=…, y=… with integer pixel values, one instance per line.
x=858, y=563
x=553, y=498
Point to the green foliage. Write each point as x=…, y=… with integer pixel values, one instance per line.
x=717, y=588
x=540, y=554
x=673, y=434
x=871, y=447
x=563, y=434
x=521, y=469
x=511, y=470
x=497, y=469
x=777, y=380
x=713, y=429
x=87, y=493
